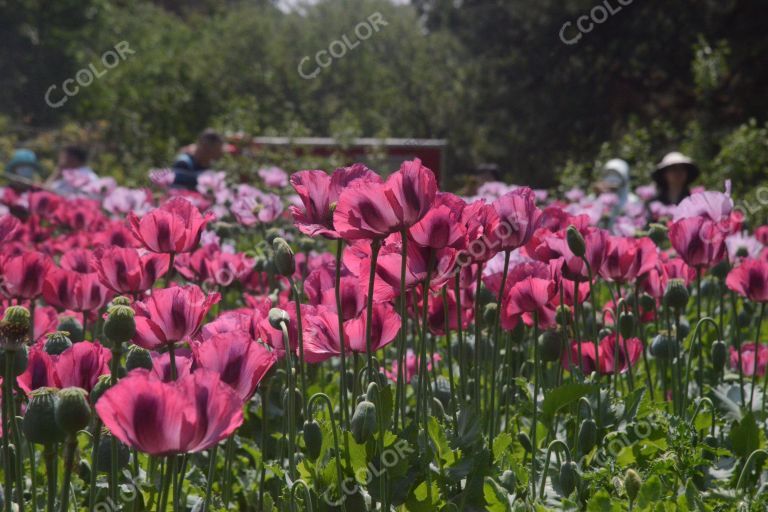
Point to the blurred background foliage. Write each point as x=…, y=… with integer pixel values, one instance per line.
x=492, y=76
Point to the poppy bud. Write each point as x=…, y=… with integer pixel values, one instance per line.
x=709, y=288
x=525, y=441
x=663, y=347
x=632, y=483
x=575, y=241
x=39, y=422
x=718, y=354
x=569, y=477
x=508, y=480
x=364, y=422
x=313, y=439
x=285, y=263
x=103, y=383
x=71, y=325
x=72, y=410
x=721, y=270
x=121, y=300
x=489, y=313
x=57, y=342
x=120, y=325
x=676, y=295
x=626, y=324
x=647, y=302
x=563, y=314
x=306, y=244
x=550, y=345
x=20, y=359
x=277, y=317
x=605, y=331
x=104, y=462
x=138, y=358
x=684, y=327
x=587, y=436
x=271, y=235
x=658, y=233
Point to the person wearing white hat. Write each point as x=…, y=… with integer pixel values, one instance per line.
x=673, y=177
x=614, y=179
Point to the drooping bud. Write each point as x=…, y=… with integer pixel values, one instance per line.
x=626, y=324
x=676, y=295
x=39, y=423
x=587, y=436
x=508, y=480
x=575, y=241
x=569, y=477
x=138, y=357
x=663, y=346
x=364, y=422
x=313, y=439
x=525, y=441
x=563, y=314
x=719, y=353
x=103, y=383
x=57, y=342
x=72, y=410
x=632, y=483
x=489, y=313
x=277, y=317
x=550, y=345
x=72, y=326
x=120, y=325
x=647, y=302
x=285, y=263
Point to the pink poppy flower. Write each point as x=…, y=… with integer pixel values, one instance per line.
x=126, y=270
x=750, y=280
x=173, y=228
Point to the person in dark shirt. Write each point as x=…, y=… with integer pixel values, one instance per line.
x=196, y=159
x=673, y=177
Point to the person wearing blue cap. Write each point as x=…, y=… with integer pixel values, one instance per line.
x=23, y=169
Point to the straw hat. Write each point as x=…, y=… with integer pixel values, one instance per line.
x=675, y=158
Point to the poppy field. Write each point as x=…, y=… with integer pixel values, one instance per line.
x=359, y=341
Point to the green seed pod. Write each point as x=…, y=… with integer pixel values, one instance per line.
x=138, y=358
x=364, y=422
x=550, y=345
x=508, y=480
x=57, y=342
x=72, y=410
x=271, y=235
x=587, y=436
x=39, y=423
x=18, y=316
x=663, y=347
x=676, y=295
x=626, y=324
x=103, y=383
x=569, y=477
x=719, y=354
x=104, y=462
x=525, y=441
x=72, y=326
x=575, y=241
x=313, y=439
x=647, y=302
x=632, y=483
x=489, y=313
x=285, y=263
x=563, y=314
x=658, y=233
x=276, y=318
x=120, y=301
x=120, y=325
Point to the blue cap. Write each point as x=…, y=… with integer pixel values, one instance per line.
x=22, y=158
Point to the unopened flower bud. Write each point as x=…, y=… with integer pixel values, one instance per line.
x=658, y=233
x=563, y=314
x=676, y=295
x=72, y=410
x=104, y=463
x=120, y=325
x=277, y=317
x=587, y=436
x=569, y=477
x=550, y=345
x=626, y=324
x=719, y=353
x=39, y=422
x=103, y=383
x=138, y=357
x=285, y=263
x=57, y=342
x=575, y=241
x=489, y=313
x=364, y=422
x=663, y=346
x=632, y=483
x=313, y=439
x=647, y=302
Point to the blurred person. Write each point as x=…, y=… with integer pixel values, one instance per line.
x=197, y=158
x=614, y=180
x=673, y=177
x=23, y=169
x=72, y=172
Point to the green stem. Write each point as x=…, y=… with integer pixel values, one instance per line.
x=94, y=465
x=478, y=327
x=449, y=356
x=495, y=351
x=49, y=453
x=757, y=351
x=7, y=400
x=403, y=336
x=322, y=397
x=536, y=365
x=375, y=246
x=291, y=407
x=69, y=459
x=694, y=339
x=168, y=477
x=460, y=340
x=342, y=348
x=300, y=336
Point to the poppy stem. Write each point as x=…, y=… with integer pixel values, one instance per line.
x=7, y=399
x=756, y=356
x=641, y=331
x=478, y=327
x=495, y=352
x=69, y=459
x=168, y=477
x=460, y=341
x=300, y=336
x=446, y=312
x=49, y=453
x=700, y=377
x=536, y=365
x=113, y=473
x=172, y=359
x=375, y=246
x=595, y=341
x=209, y=478
x=33, y=469
x=737, y=342
x=94, y=465
x=322, y=397
x=291, y=407
x=400, y=385
x=342, y=348
x=696, y=342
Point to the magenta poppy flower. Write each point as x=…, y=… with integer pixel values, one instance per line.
x=23, y=276
x=80, y=215
x=748, y=359
x=626, y=259
x=595, y=241
x=605, y=360
x=171, y=315
x=529, y=289
x=700, y=242
x=480, y=220
x=750, y=280
x=237, y=358
x=761, y=234
x=67, y=289
x=369, y=211
x=188, y=415
x=411, y=366
x=126, y=270
x=161, y=364
x=437, y=310
x=8, y=225
x=518, y=218
x=441, y=226
x=82, y=364
x=40, y=372
x=174, y=227
x=273, y=177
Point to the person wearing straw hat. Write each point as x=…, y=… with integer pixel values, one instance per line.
x=673, y=177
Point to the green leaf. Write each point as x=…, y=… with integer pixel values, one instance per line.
x=560, y=397
x=495, y=498
x=650, y=492
x=745, y=436
x=500, y=444
x=601, y=502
